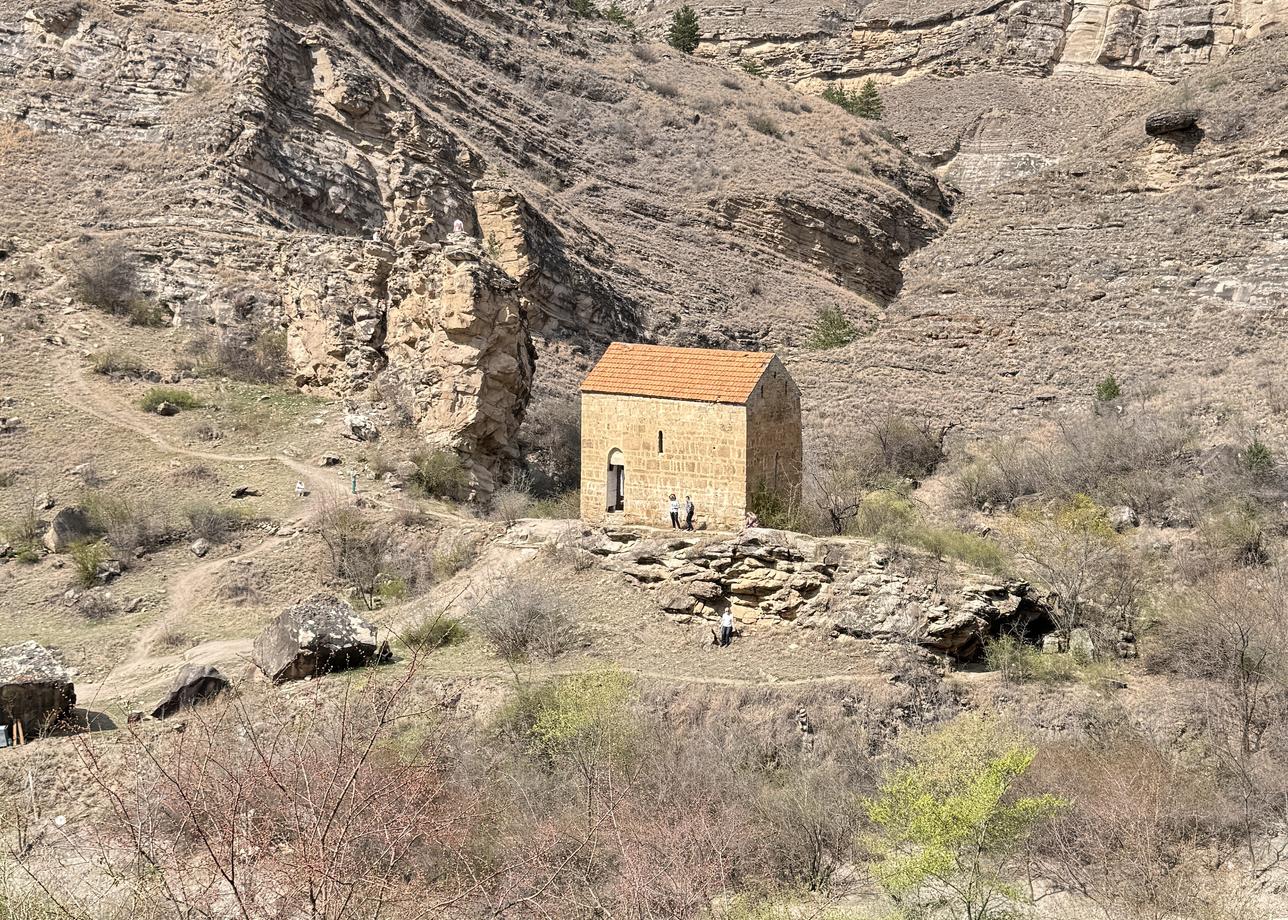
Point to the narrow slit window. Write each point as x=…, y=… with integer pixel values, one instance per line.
x=659, y=442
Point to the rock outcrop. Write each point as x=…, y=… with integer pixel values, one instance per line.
x=35, y=688
x=843, y=586
x=458, y=344
x=316, y=636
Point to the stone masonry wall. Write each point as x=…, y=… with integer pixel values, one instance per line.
x=704, y=455
x=774, y=434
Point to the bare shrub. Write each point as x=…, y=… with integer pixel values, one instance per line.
x=450, y=554
x=526, y=618
x=1132, y=458
x=254, y=353
x=334, y=804
x=765, y=125
x=113, y=361
x=513, y=500
x=128, y=525
x=105, y=276
x=205, y=431
x=550, y=441
x=356, y=549
x=211, y=522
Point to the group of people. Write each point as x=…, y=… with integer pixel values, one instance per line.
x=688, y=513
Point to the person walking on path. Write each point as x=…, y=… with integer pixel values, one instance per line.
x=675, y=512
x=300, y=491
x=688, y=512
x=726, y=628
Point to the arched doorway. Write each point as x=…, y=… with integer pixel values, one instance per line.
x=616, y=480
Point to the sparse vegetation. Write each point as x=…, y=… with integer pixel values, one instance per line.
x=113, y=361
x=433, y=632
x=752, y=66
x=765, y=125
x=212, y=522
x=128, y=525
x=356, y=550
x=252, y=353
x=525, y=619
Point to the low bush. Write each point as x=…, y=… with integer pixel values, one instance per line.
x=96, y=606
x=522, y=619
x=181, y=399
x=127, y=525
x=765, y=125
x=439, y=474
x=252, y=353
x=87, y=556
x=212, y=522
x=113, y=361
x=562, y=506
x=434, y=632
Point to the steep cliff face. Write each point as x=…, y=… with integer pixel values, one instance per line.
x=273, y=162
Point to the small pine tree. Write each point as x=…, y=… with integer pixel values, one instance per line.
x=832, y=329
x=683, y=33
x=584, y=9
x=1258, y=458
x=1108, y=390
x=616, y=15
x=752, y=66
x=868, y=103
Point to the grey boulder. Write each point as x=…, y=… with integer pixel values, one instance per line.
x=70, y=525
x=314, y=637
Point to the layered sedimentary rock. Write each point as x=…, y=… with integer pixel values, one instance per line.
x=842, y=586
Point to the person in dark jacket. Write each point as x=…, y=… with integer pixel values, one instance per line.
x=688, y=513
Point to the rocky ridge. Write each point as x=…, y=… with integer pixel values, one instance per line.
x=843, y=586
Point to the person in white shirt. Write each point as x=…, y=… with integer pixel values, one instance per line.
x=726, y=627
x=300, y=491
x=675, y=512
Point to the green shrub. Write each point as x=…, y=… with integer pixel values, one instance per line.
x=752, y=66
x=618, y=16
x=765, y=125
x=832, y=329
x=583, y=9
x=87, y=556
x=1108, y=390
x=588, y=713
x=439, y=474
x=683, y=33
x=864, y=102
x=113, y=361
x=1257, y=458
x=148, y=314
x=435, y=632
x=176, y=397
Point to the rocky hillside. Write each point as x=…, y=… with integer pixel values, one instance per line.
x=297, y=164
x=1159, y=259
x=990, y=91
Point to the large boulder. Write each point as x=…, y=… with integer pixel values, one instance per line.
x=1168, y=121
x=35, y=688
x=314, y=637
x=192, y=685
x=70, y=525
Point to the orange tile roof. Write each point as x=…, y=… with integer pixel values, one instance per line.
x=701, y=374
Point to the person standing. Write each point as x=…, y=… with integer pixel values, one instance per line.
x=688, y=512
x=300, y=491
x=726, y=628
x=675, y=512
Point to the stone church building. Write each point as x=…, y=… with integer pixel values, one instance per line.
x=719, y=426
